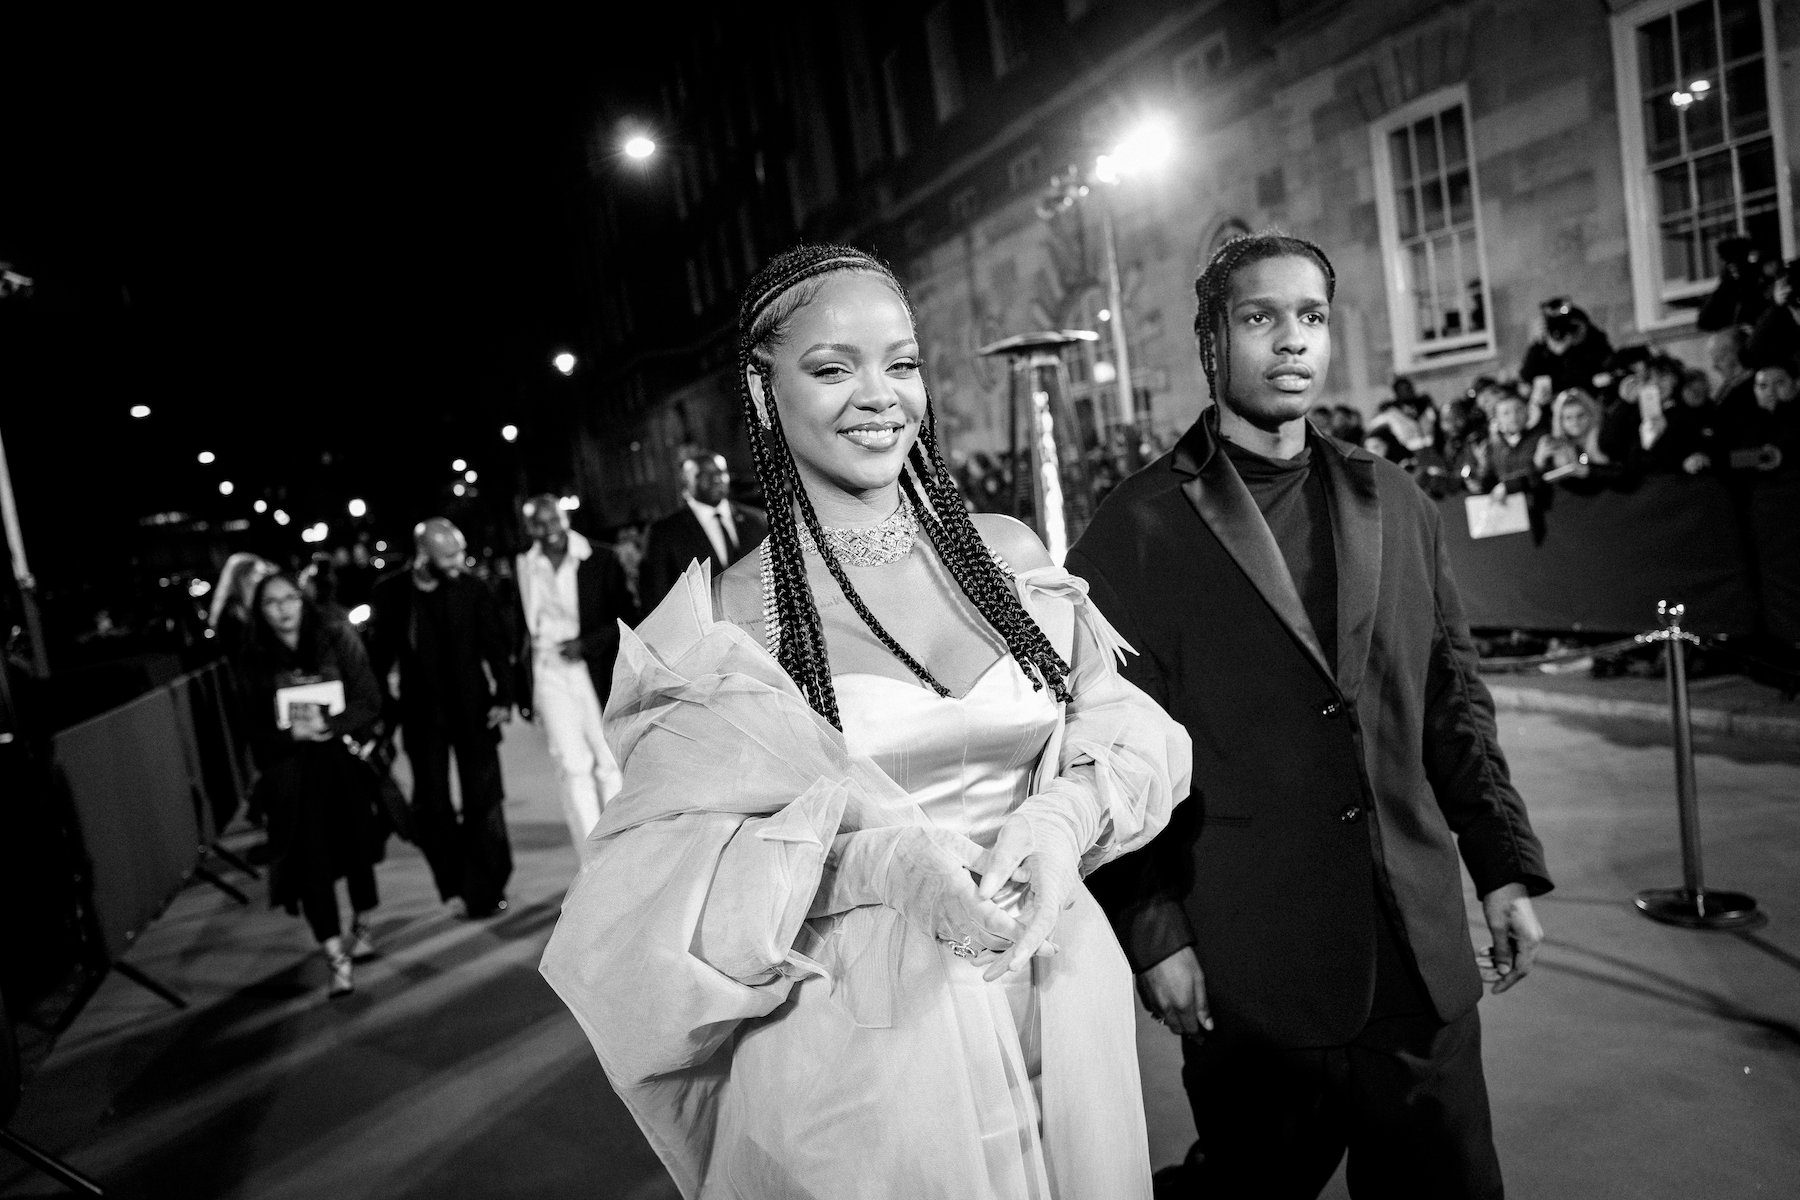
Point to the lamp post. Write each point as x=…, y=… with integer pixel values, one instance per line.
x=1146, y=148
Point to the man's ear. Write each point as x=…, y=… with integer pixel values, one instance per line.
x=757, y=396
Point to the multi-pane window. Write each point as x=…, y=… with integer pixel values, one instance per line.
x=1702, y=159
x=1431, y=233
x=1707, y=141
x=1006, y=36
x=946, y=71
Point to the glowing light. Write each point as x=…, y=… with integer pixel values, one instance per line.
x=281, y=518
x=564, y=362
x=1105, y=372
x=639, y=147
x=315, y=533
x=360, y=615
x=1681, y=99
x=461, y=464
x=261, y=506
x=140, y=411
x=1699, y=86
x=470, y=477
x=1104, y=314
x=460, y=490
x=199, y=588
x=381, y=545
x=358, y=508
x=510, y=432
x=1148, y=147
x=569, y=503
x=207, y=456
x=226, y=487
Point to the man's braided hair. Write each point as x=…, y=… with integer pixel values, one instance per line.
x=780, y=290
x=1213, y=290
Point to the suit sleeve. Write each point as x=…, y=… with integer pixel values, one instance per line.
x=1463, y=759
x=490, y=632
x=600, y=621
x=1147, y=915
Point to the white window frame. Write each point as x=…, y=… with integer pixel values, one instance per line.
x=1409, y=351
x=1653, y=305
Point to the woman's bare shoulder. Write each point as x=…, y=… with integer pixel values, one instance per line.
x=1012, y=540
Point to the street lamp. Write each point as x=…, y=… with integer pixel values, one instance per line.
x=564, y=362
x=639, y=147
x=509, y=433
x=225, y=488
x=460, y=464
x=358, y=508
x=140, y=411
x=207, y=456
x=1145, y=149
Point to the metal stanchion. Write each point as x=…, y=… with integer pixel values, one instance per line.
x=1690, y=905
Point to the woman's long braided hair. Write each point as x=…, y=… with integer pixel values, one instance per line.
x=779, y=290
x=1213, y=290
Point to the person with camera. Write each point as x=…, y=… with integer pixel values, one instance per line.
x=1570, y=353
x=320, y=802
x=1742, y=294
x=1775, y=339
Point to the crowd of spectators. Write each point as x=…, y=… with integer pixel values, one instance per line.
x=1583, y=415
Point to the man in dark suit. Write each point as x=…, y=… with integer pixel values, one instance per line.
x=707, y=526
x=441, y=627
x=572, y=596
x=1301, y=922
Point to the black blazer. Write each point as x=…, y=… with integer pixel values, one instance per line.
x=1321, y=789
x=602, y=599
x=450, y=689
x=678, y=539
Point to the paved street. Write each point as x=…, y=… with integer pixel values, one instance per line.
x=1638, y=1061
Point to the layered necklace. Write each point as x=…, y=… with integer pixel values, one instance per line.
x=878, y=545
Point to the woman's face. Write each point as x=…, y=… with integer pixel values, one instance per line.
x=848, y=386
x=281, y=606
x=1509, y=416
x=1576, y=421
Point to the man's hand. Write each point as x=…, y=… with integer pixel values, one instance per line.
x=1517, y=935
x=570, y=650
x=1174, y=991
x=499, y=715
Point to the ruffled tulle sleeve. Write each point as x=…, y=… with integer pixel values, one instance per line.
x=1120, y=763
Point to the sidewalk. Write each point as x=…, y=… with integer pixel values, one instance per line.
x=1731, y=705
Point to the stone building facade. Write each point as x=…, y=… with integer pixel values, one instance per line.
x=1460, y=162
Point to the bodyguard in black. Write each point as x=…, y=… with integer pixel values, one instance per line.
x=442, y=627
x=1301, y=920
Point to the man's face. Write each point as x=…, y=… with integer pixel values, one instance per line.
x=1774, y=387
x=444, y=553
x=545, y=525
x=1722, y=352
x=1278, y=327
x=708, y=479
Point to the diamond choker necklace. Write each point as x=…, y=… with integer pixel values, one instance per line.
x=873, y=546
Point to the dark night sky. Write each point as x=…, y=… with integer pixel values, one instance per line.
x=356, y=240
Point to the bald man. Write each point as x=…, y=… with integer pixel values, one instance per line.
x=440, y=626
x=572, y=596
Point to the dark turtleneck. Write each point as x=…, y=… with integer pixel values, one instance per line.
x=1293, y=501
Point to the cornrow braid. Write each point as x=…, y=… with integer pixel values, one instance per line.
x=777, y=292
x=1213, y=291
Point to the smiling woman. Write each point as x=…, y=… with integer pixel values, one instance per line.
x=827, y=969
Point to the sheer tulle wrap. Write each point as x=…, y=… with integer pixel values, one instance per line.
x=766, y=1055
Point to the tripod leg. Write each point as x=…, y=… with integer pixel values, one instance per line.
x=148, y=984
x=54, y=1167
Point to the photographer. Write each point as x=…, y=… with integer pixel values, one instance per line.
x=1742, y=295
x=1571, y=352
x=1775, y=341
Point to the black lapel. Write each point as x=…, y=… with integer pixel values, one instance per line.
x=1225, y=504
x=1356, y=535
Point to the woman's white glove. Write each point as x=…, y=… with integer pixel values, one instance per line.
x=921, y=872
x=1040, y=847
